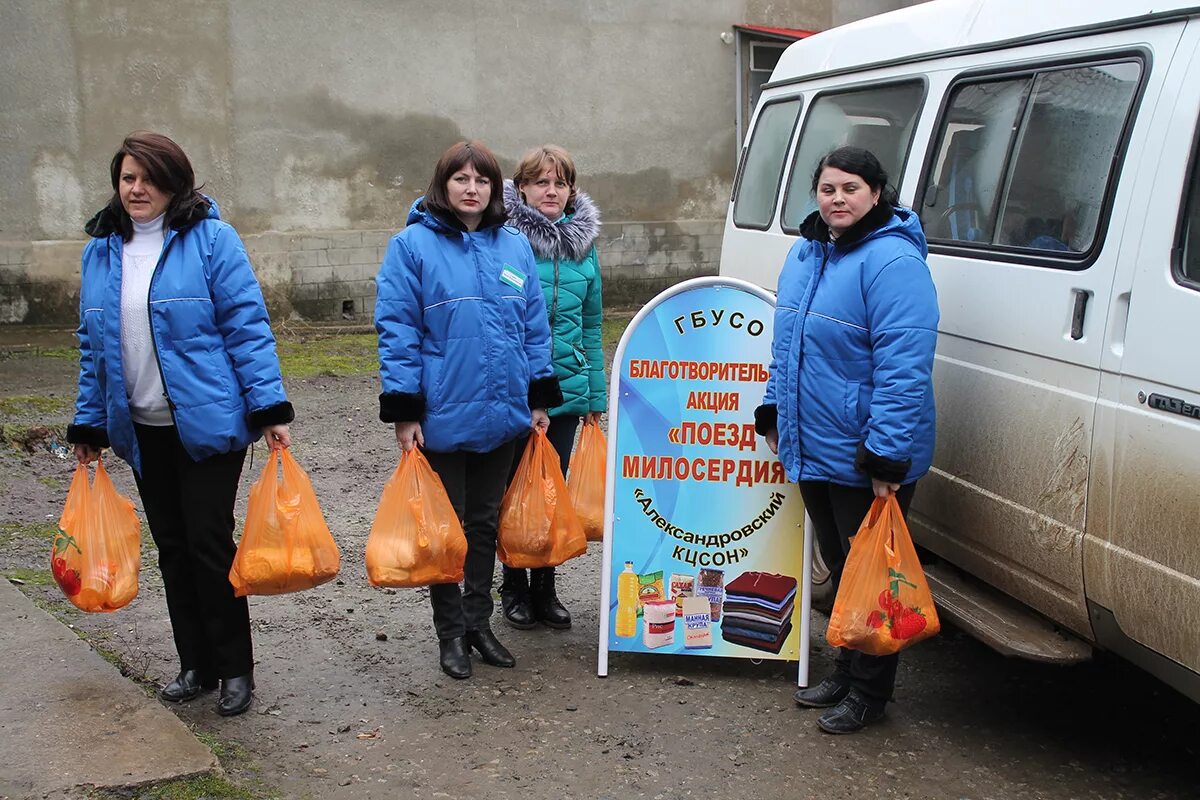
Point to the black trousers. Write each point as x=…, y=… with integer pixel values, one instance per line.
x=475, y=483
x=189, y=506
x=561, y=435
x=837, y=512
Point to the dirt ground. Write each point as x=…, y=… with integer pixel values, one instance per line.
x=351, y=704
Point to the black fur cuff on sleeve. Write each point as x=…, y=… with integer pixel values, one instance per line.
x=545, y=393
x=278, y=414
x=401, y=407
x=87, y=434
x=880, y=468
x=766, y=419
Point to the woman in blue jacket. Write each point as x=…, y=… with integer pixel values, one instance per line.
x=561, y=224
x=464, y=356
x=178, y=374
x=849, y=404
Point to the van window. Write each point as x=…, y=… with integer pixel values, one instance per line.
x=1025, y=161
x=1189, y=263
x=762, y=168
x=880, y=119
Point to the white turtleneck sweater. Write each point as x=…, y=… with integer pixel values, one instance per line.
x=139, y=359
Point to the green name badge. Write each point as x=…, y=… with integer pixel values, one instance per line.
x=512, y=277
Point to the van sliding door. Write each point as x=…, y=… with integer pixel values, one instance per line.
x=1142, y=554
x=1023, y=201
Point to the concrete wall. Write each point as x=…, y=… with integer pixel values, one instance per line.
x=316, y=124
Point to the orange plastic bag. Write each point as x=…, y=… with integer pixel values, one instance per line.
x=416, y=538
x=286, y=545
x=585, y=480
x=538, y=526
x=97, y=549
x=883, y=604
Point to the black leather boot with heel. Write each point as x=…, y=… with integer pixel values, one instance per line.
x=454, y=657
x=489, y=647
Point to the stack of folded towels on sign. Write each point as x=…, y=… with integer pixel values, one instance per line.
x=758, y=610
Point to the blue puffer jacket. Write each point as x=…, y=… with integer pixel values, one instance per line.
x=851, y=362
x=464, y=343
x=211, y=335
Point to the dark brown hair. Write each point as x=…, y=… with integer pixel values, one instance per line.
x=860, y=162
x=535, y=161
x=455, y=158
x=168, y=168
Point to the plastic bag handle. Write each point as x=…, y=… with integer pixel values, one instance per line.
x=287, y=490
x=892, y=509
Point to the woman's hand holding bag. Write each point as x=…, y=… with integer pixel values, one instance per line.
x=286, y=545
x=416, y=538
x=585, y=480
x=883, y=603
x=97, y=549
x=538, y=525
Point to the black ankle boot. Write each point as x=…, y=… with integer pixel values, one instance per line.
x=514, y=599
x=236, y=694
x=546, y=608
x=454, y=658
x=490, y=649
x=187, y=685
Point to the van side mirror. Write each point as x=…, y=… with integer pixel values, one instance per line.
x=931, y=195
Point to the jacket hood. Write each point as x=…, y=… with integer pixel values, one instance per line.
x=882, y=220
x=418, y=212
x=104, y=222
x=569, y=239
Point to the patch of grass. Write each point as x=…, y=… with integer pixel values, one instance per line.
x=66, y=353
x=612, y=328
x=33, y=405
x=57, y=353
x=207, y=786
x=334, y=356
x=57, y=606
x=24, y=437
x=109, y=655
x=11, y=433
x=31, y=577
x=11, y=531
x=52, y=481
x=224, y=751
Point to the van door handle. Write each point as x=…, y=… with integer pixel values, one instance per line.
x=1078, y=312
x=1119, y=324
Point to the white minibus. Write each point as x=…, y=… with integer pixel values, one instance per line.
x=1051, y=151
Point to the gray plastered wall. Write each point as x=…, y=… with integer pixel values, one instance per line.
x=315, y=125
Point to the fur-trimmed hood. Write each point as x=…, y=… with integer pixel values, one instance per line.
x=570, y=239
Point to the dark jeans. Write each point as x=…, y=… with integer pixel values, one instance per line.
x=189, y=507
x=475, y=483
x=561, y=434
x=837, y=513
